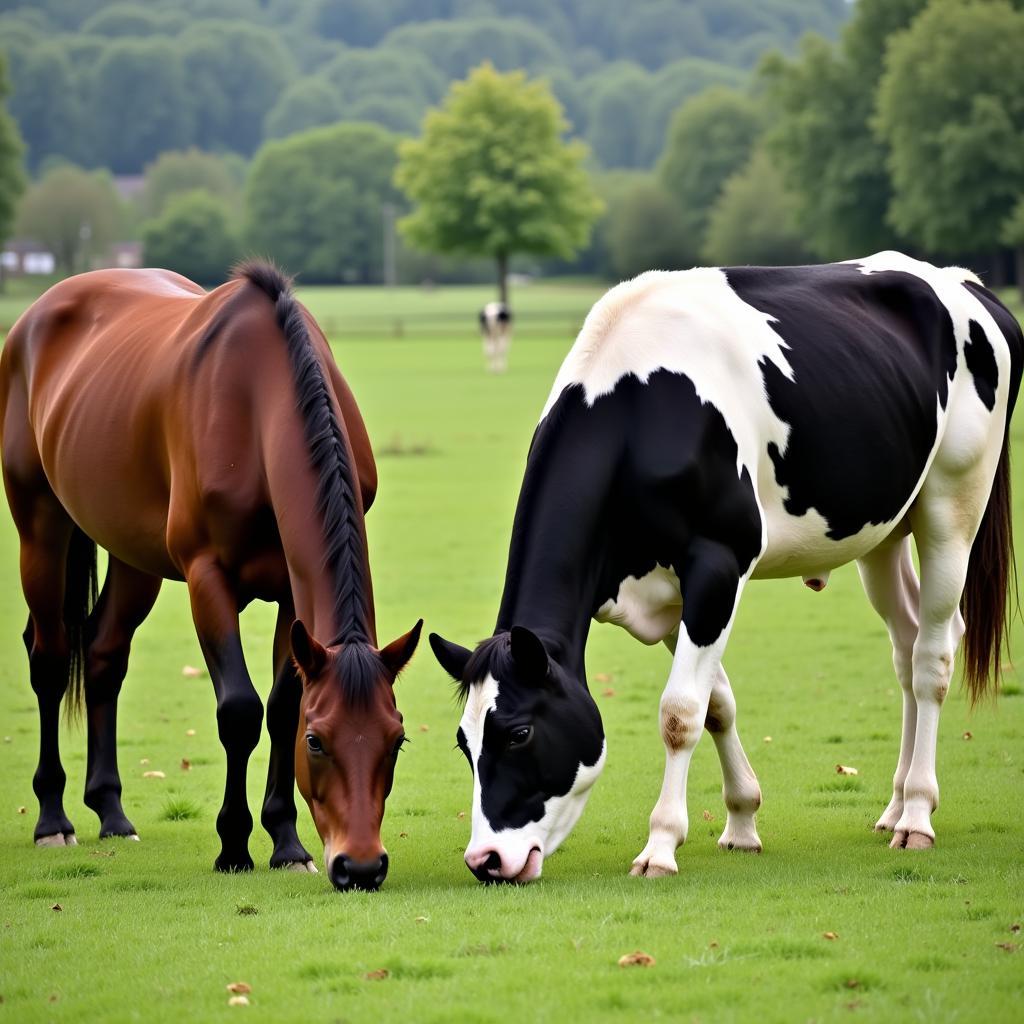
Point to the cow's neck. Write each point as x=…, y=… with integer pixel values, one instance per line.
x=558, y=548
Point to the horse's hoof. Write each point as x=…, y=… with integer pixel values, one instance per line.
x=57, y=839
x=232, y=865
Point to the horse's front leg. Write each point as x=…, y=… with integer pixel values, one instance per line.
x=710, y=588
x=239, y=709
x=278, y=815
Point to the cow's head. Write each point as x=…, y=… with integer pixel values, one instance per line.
x=533, y=737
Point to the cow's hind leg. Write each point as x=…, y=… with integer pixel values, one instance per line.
x=126, y=599
x=894, y=592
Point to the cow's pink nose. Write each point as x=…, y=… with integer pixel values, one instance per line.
x=485, y=863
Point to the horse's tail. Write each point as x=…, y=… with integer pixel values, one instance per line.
x=80, y=592
x=985, y=604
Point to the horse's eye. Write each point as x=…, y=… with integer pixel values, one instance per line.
x=521, y=736
x=314, y=744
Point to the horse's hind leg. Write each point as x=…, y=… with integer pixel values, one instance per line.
x=126, y=599
x=278, y=815
x=891, y=585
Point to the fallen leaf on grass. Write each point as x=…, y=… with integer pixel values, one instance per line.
x=708, y=816
x=245, y=910
x=842, y=769
x=767, y=739
x=713, y=944
x=143, y=760
x=238, y=1001
x=186, y=764
x=1008, y=947
x=239, y=988
x=154, y=775
x=852, y=983
x=424, y=728
x=102, y=853
x=603, y=677
x=191, y=672
x=461, y=814
x=403, y=835
x=56, y=906
x=638, y=958
x=190, y=732
x=22, y=810
x=830, y=935
x=378, y=975
x=422, y=920
x=968, y=735
x=608, y=693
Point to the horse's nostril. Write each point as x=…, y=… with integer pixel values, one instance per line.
x=349, y=874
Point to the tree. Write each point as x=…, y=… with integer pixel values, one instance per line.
x=646, y=231
x=74, y=213
x=492, y=176
x=12, y=180
x=306, y=103
x=754, y=219
x=195, y=236
x=1013, y=236
x=229, y=98
x=821, y=135
x=179, y=171
x=45, y=103
x=619, y=95
x=140, y=103
x=951, y=111
x=710, y=138
x=314, y=201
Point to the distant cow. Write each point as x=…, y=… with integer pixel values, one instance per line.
x=496, y=330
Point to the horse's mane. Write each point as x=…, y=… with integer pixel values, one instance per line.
x=336, y=487
x=492, y=656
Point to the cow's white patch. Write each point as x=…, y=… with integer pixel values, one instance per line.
x=515, y=845
x=648, y=608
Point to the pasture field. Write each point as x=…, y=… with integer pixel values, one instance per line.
x=147, y=931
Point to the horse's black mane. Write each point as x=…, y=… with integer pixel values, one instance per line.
x=360, y=666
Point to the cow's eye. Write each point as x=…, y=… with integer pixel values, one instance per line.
x=314, y=744
x=520, y=736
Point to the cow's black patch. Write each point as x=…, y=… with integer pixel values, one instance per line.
x=872, y=357
x=1011, y=331
x=981, y=361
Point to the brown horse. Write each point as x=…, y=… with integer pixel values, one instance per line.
x=210, y=438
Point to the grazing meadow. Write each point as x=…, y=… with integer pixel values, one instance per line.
x=827, y=924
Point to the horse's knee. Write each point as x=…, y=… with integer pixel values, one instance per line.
x=681, y=723
x=239, y=720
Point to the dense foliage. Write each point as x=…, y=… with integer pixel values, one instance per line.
x=114, y=84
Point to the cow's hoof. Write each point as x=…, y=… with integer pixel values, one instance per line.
x=302, y=866
x=651, y=866
x=903, y=840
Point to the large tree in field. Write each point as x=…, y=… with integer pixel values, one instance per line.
x=951, y=111
x=491, y=175
x=12, y=179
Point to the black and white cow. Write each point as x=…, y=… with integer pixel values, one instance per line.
x=716, y=425
x=496, y=332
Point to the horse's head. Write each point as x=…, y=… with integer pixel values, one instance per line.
x=349, y=735
x=533, y=737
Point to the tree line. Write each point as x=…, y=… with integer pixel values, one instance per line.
x=115, y=84
x=908, y=132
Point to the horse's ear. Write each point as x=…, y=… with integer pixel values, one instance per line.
x=451, y=657
x=528, y=653
x=397, y=653
x=308, y=654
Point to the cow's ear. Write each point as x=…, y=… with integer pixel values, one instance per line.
x=451, y=657
x=528, y=653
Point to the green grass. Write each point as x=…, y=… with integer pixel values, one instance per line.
x=148, y=932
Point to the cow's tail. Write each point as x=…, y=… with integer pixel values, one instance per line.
x=80, y=592
x=985, y=605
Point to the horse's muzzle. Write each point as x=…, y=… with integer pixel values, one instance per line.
x=348, y=874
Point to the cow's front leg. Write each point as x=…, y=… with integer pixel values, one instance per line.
x=710, y=589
